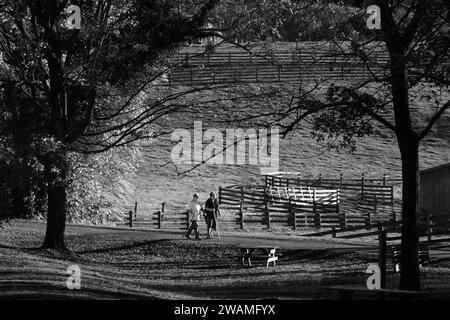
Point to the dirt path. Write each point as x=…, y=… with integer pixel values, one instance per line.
x=226, y=238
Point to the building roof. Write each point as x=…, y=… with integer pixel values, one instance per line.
x=435, y=168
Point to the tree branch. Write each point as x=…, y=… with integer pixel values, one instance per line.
x=433, y=120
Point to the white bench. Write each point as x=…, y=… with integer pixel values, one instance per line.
x=268, y=253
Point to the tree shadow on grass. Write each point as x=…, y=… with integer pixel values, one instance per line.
x=255, y=290
x=36, y=290
x=306, y=255
x=134, y=245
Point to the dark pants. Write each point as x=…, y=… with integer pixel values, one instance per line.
x=210, y=220
x=193, y=226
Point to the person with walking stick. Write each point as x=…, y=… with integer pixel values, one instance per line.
x=211, y=214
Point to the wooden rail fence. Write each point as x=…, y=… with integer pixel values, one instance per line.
x=280, y=63
x=257, y=204
x=250, y=206
x=359, y=197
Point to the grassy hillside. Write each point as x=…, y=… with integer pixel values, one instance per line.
x=158, y=179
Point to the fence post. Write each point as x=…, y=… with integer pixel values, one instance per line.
x=362, y=183
x=242, y=194
x=333, y=232
x=343, y=220
x=161, y=215
x=266, y=209
x=320, y=179
x=159, y=219
x=220, y=196
x=338, y=213
x=316, y=216
x=292, y=214
x=135, y=209
x=375, y=206
x=384, y=179
x=367, y=222
x=341, y=178
x=379, y=228
x=316, y=213
x=393, y=215
x=392, y=195
x=130, y=216
x=382, y=256
x=241, y=213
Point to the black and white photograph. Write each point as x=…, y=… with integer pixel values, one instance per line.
x=225, y=158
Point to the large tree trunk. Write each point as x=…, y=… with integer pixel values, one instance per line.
x=408, y=143
x=56, y=170
x=409, y=261
x=56, y=214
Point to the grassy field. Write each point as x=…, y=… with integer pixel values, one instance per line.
x=158, y=179
x=118, y=264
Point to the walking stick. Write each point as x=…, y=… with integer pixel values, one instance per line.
x=217, y=227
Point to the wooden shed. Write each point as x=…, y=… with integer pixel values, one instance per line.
x=435, y=191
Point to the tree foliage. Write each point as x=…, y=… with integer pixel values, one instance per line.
x=59, y=83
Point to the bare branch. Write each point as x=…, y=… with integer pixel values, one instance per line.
x=433, y=120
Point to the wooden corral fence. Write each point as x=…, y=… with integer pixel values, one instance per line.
x=156, y=218
x=434, y=225
x=168, y=218
x=280, y=63
x=429, y=227
x=256, y=205
x=359, y=197
x=251, y=207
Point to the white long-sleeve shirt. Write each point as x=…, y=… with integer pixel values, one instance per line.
x=194, y=208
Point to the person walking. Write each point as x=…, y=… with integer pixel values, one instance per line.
x=194, y=210
x=211, y=213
